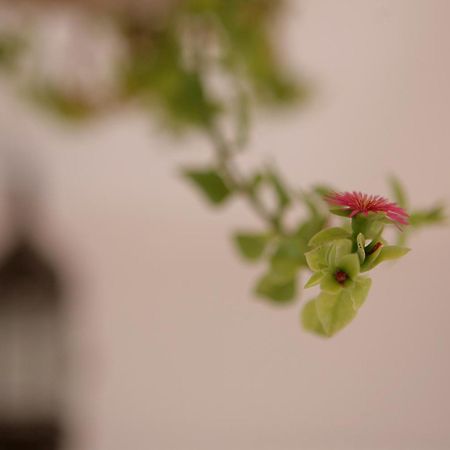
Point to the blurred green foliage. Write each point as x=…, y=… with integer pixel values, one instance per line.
x=203, y=67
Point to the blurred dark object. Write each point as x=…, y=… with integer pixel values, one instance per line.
x=31, y=342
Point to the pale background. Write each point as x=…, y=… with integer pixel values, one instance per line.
x=171, y=350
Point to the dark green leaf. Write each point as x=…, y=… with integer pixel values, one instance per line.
x=278, y=289
x=210, y=183
x=250, y=245
x=398, y=191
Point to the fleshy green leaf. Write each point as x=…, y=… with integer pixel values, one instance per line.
x=315, y=279
x=360, y=242
x=342, y=247
x=329, y=284
x=360, y=291
x=391, y=252
x=329, y=235
x=276, y=288
x=371, y=259
x=432, y=216
x=334, y=311
x=251, y=246
x=350, y=265
x=289, y=256
x=210, y=183
x=340, y=212
x=398, y=191
x=317, y=258
x=310, y=320
x=280, y=189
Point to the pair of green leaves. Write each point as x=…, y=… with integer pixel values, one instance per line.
x=328, y=313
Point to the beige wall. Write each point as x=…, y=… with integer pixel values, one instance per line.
x=178, y=354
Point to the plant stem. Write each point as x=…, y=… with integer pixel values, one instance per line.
x=237, y=181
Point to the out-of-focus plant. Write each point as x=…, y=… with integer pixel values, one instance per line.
x=204, y=66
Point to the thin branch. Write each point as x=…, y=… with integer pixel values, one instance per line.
x=237, y=181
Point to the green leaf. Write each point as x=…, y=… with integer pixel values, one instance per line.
x=334, y=311
x=251, y=246
x=398, y=191
x=278, y=289
x=349, y=264
x=310, y=320
x=360, y=243
x=329, y=284
x=317, y=258
x=329, y=235
x=315, y=279
x=281, y=191
x=392, y=252
x=432, y=216
x=342, y=247
x=289, y=256
x=360, y=291
x=340, y=212
x=371, y=259
x=210, y=183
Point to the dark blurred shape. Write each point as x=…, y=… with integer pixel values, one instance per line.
x=31, y=339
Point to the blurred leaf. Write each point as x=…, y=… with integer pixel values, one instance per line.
x=329, y=235
x=391, y=252
x=398, y=192
x=210, y=183
x=157, y=74
x=334, y=311
x=432, y=216
x=10, y=48
x=251, y=246
x=58, y=102
x=289, y=256
x=360, y=290
x=317, y=258
x=314, y=280
x=280, y=189
x=276, y=288
x=310, y=320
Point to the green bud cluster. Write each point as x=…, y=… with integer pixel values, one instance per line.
x=338, y=258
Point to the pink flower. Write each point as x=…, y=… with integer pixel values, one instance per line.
x=359, y=203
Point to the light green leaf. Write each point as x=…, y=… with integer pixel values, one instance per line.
x=329, y=284
x=391, y=252
x=431, y=216
x=317, y=258
x=280, y=189
x=371, y=259
x=360, y=291
x=276, y=288
x=342, y=247
x=398, y=192
x=210, y=183
x=289, y=256
x=315, y=279
x=349, y=264
x=251, y=246
x=334, y=311
x=329, y=235
x=310, y=320
x=360, y=242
